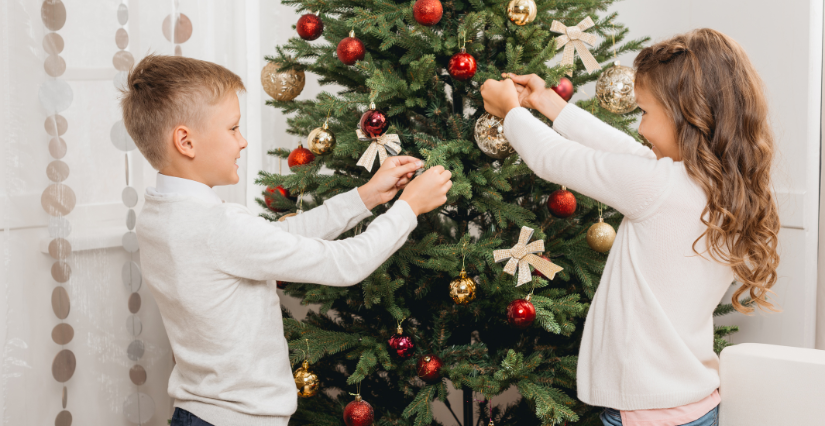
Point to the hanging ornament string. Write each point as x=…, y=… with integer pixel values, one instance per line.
x=575, y=39
x=490, y=406
x=521, y=256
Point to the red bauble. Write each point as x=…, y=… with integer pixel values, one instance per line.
x=358, y=413
x=299, y=156
x=350, y=50
x=462, y=66
x=562, y=203
x=427, y=12
x=564, y=88
x=402, y=344
x=428, y=368
x=374, y=122
x=310, y=27
x=269, y=197
x=280, y=284
x=521, y=313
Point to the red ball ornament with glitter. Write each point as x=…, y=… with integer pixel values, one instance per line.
x=427, y=12
x=562, y=203
x=358, y=413
x=462, y=65
x=270, y=194
x=521, y=313
x=350, y=50
x=401, y=343
x=310, y=27
x=428, y=368
x=564, y=88
x=299, y=156
x=280, y=284
x=374, y=122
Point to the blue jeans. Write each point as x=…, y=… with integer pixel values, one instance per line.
x=611, y=417
x=185, y=418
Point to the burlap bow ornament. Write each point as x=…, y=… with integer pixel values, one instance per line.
x=521, y=256
x=381, y=146
x=574, y=39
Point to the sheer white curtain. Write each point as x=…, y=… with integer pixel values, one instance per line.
x=223, y=31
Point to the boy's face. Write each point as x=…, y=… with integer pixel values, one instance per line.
x=220, y=143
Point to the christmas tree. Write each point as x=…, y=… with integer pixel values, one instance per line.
x=432, y=105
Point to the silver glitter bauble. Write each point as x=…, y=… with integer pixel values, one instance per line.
x=282, y=86
x=614, y=89
x=489, y=135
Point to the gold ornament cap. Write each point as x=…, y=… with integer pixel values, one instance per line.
x=358, y=398
x=399, y=330
x=352, y=33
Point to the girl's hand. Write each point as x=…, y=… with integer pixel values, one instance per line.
x=534, y=94
x=499, y=97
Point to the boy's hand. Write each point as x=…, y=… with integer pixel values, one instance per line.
x=393, y=175
x=428, y=191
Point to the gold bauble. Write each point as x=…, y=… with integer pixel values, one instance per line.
x=614, y=89
x=282, y=86
x=306, y=381
x=489, y=135
x=321, y=141
x=522, y=12
x=600, y=236
x=463, y=289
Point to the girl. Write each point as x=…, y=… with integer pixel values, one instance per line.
x=698, y=212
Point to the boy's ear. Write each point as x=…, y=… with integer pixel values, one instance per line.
x=182, y=139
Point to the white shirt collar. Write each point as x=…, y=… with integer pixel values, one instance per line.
x=187, y=187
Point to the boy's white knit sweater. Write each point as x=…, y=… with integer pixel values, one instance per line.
x=207, y=264
x=648, y=337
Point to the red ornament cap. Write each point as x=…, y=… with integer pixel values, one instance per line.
x=428, y=368
x=358, y=413
x=299, y=156
x=564, y=88
x=374, y=122
x=521, y=313
x=462, y=65
x=310, y=27
x=427, y=12
x=350, y=50
x=562, y=203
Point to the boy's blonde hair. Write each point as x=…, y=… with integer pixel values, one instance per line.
x=166, y=91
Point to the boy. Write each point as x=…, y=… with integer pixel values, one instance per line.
x=207, y=262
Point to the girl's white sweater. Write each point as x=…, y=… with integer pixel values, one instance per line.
x=648, y=337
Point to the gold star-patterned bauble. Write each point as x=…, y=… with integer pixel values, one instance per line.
x=282, y=86
x=614, y=89
x=600, y=236
x=306, y=381
x=321, y=141
x=463, y=289
x=522, y=12
x=489, y=135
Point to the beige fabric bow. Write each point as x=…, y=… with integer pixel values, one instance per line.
x=574, y=39
x=521, y=256
x=377, y=146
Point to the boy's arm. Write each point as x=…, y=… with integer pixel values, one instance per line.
x=247, y=246
x=337, y=215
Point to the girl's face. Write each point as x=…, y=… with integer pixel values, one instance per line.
x=656, y=126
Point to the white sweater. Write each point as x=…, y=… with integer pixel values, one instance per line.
x=648, y=336
x=207, y=264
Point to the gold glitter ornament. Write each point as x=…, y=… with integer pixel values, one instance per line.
x=306, y=381
x=321, y=141
x=600, y=236
x=614, y=89
x=489, y=135
x=463, y=289
x=522, y=12
x=282, y=86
